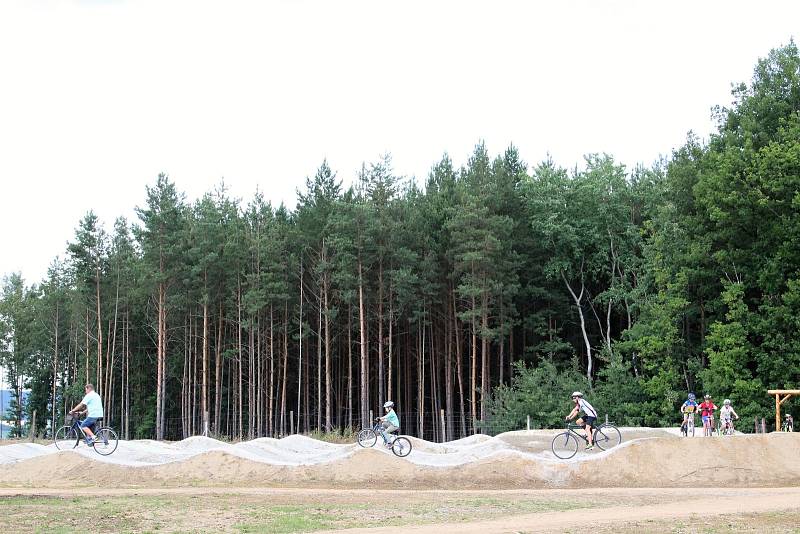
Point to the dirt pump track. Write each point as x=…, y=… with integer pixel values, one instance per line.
x=509, y=461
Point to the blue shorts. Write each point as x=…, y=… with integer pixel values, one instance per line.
x=707, y=417
x=89, y=422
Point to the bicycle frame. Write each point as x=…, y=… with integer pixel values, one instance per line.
x=708, y=425
x=76, y=423
x=573, y=427
x=378, y=429
x=689, y=424
x=727, y=425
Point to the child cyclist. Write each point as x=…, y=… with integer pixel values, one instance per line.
x=687, y=409
x=707, y=408
x=727, y=414
x=391, y=423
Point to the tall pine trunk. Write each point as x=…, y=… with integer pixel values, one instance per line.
x=328, y=415
x=218, y=375
x=364, y=361
x=350, y=366
x=204, y=395
x=484, y=353
x=381, y=378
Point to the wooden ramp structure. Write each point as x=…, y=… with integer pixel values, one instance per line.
x=786, y=394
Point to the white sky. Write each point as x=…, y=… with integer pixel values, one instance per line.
x=98, y=97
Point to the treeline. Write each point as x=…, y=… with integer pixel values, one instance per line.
x=488, y=292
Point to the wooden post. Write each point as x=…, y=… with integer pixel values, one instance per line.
x=755, y=422
x=32, y=433
x=787, y=394
x=763, y=426
x=444, y=434
x=371, y=418
x=529, y=422
x=291, y=421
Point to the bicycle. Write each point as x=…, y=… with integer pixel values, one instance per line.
x=788, y=424
x=565, y=444
x=367, y=438
x=726, y=428
x=708, y=426
x=72, y=433
x=687, y=429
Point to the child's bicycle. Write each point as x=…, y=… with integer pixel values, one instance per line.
x=565, y=444
x=708, y=426
x=725, y=428
x=72, y=433
x=788, y=424
x=688, y=428
x=367, y=438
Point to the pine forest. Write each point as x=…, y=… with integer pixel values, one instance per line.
x=474, y=297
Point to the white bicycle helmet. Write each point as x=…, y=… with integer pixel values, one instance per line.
x=577, y=394
x=388, y=404
x=726, y=402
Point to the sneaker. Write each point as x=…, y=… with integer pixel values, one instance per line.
x=89, y=442
x=387, y=445
x=589, y=447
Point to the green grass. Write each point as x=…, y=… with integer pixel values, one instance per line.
x=287, y=519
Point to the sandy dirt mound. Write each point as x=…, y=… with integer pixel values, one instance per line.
x=513, y=460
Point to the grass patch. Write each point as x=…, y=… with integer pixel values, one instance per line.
x=342, y=436
x=283, y=521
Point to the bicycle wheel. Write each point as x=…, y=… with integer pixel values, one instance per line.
x=607, y=436
x=66, y=438
x=564, y=445
x=401, y=447
x=690, y=429
x=105, y=441
x=367, y=438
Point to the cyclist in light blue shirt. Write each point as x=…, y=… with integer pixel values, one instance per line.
x=94, y=411
x=390, y=421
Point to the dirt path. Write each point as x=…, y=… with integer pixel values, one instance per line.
x=728, y=502
x=326, y=494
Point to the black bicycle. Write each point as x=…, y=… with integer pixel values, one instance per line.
x=565, y=444
x=687, y=428
x=72, y=433
x=400, y=445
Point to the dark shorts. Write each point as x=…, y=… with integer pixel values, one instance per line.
x=589, y=421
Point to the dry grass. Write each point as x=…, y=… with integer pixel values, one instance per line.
x=772, y=522
x=251, y=513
